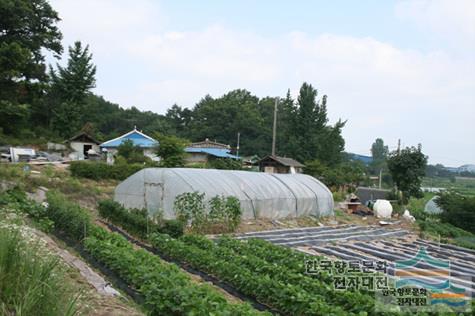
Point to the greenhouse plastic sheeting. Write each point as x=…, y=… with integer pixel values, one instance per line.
x=431, y=207
x=262, y=195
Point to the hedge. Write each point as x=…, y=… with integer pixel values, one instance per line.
x=68, y=217
x=101, y=170
x=136, y=222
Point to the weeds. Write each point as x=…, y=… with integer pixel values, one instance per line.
x=31, y=283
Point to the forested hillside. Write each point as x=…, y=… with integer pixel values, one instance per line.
x=41, y=102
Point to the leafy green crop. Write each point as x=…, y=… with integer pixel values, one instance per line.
x=251, y=276
x=167, y=290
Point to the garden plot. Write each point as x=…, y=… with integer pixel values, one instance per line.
x=371, y=243
x=314, y=236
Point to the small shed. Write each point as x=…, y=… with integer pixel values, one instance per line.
x=276, y=164
x=366, y=194
x=202, y=152
x=139, y=139
x=82, y=144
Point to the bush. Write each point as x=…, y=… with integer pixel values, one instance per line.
x=224, y=212
x=173, y=228
x=189, y=207
x=131, y=153
x=137, y=222
x=225, y=163
x=101, y=170
x=16, y=199
x=69, y=218
x=134, y=221
x=459, y=210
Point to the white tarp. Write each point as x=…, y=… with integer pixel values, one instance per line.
x=15, y=152
x=261, y=195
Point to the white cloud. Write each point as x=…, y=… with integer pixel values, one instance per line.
x=382, y=90
x=452, y=20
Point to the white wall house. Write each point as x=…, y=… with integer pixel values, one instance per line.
x=83, y=145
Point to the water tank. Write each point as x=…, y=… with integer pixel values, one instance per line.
x=382, y=209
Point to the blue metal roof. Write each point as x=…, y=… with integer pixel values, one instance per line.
x=216, y=152
x=139, y=139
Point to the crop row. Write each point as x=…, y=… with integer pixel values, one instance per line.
x=167, y=290
x=271, y=274
x=251, y=278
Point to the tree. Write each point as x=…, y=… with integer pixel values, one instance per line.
x=379, y=151
x=27, y=29
x=407, y=167
x=179, y=118
x=171, y=150
x=314, y=138
x=458, y=210
x=347, y=174
x=130, y=152
x=70, y=86
x=222, y=118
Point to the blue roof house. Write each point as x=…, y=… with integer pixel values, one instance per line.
x=139, y=139
x=202, y=152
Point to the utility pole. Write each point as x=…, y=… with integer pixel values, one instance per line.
x=274, y=129
x=237, y=147
x=398, y=146
x=380, y=174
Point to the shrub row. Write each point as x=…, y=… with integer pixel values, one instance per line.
x=100, y=170
x=278, y=292
x=166, y=289
x=137, y=222
x=68, y=217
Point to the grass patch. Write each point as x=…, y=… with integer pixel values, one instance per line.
x=31, y=283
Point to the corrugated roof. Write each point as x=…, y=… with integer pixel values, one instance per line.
x=209, y=144
x=289, y=162
x=83, y=134
x=138, y=138
x=216, y=152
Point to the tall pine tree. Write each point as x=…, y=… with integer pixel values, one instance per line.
x=70, y=87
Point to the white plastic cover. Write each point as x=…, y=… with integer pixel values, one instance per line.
x=261, y=195
x=431, y=207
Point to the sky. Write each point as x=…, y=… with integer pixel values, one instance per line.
x=393, y=69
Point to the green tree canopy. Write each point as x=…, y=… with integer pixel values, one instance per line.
x=379, y=151
x=27, y=29
x=171, y=150
x=407, y=168
x=130, y=152
x=70, y=86
x=458, y=210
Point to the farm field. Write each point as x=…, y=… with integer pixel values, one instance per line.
x=462, y=185
x=252, y=273
x=358, y=244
